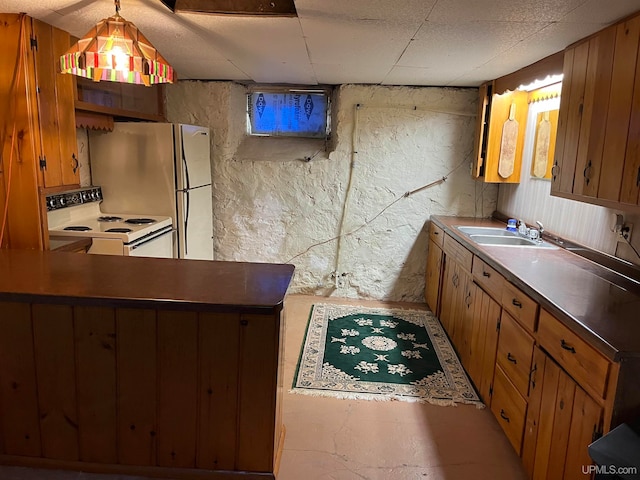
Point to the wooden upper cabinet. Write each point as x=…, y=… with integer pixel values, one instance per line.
x=482, y=122
x=55, y=98
x=597, y=156
x=21, y=147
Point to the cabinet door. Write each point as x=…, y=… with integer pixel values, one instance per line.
x=630, y=193
x=499, y=115
x=451, y=280
x=69, y=163
x=570, y=118
x=24, y=221
x=433, y=277
x=55, y=108
x=620, y=102
x=464, y=319
x=484, y=341
x=461, y=303
x=595, y=106
x=482, y=121
x=568, y=422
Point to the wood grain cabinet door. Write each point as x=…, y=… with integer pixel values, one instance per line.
x=56, y=114
x=433, y=277
x=569, y=420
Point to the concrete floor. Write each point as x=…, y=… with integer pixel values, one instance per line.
x=333, y=439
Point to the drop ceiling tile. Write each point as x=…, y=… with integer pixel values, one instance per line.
x=365, y=43
x=189, y=68
x=259, y=46
x=422, y=76
x=551, y=39
x=457, y=11
x=336, y=74
x=469, y=44
x=602, y=12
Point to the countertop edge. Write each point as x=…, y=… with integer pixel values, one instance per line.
x=574, y=324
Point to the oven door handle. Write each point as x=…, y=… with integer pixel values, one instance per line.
x=151, y=238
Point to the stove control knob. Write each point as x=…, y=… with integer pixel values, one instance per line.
x=51, y=203
x=62, y=201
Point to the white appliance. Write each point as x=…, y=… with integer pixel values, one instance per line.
x=78, y=214
x=161, y=169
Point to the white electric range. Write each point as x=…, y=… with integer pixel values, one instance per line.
x=78, y=214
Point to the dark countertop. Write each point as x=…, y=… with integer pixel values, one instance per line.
x=600, y=306
x=139, y=282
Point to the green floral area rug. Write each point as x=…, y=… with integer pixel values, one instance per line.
x=380, y=354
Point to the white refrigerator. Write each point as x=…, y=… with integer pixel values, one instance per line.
x=158, y=169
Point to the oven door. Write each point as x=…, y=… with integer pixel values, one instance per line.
x=159, y=246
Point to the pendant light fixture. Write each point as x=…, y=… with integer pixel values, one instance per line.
x=116, y=51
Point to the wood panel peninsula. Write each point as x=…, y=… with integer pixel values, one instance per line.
x=142, y=366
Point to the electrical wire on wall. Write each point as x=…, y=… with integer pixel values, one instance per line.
x=10, y=113
x=367, y=222
x=352, y=165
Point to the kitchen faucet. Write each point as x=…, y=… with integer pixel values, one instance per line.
x=522, y=228
x=540, y=228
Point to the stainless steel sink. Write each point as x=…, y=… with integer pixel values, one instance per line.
x=510, y=241
x=487, y=231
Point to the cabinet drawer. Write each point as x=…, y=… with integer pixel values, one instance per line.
x=588, y=367
x=490, y=280
x=458, y=252
x=436, y=234
x=509, y=408
x=515, y=351
x=520, y=306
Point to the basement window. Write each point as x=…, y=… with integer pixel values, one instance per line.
x=288, y=113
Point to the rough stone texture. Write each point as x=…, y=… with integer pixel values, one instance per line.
x=280, y=208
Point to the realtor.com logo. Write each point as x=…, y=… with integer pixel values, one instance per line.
x=608, y=470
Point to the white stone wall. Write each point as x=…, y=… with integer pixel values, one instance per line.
x=272, y=206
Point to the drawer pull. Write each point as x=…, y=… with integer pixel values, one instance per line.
x=486, y=274
x=516, y=303
x=436, y=233
x=532, y=377
x=511, y=358
x=566, y=346
x=504, y=416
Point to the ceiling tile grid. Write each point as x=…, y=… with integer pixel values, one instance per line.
x=402, y=42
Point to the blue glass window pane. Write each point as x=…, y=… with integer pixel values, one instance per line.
x=288, y=114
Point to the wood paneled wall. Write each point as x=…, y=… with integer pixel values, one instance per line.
x=134, y=387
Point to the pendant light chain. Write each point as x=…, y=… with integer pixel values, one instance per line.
x=117, y=3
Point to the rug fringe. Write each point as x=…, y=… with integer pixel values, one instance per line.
x=383, y=398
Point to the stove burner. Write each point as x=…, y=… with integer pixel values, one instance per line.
x=119, y=230
x=77, y=228
x=109, y=218
x=139, y=221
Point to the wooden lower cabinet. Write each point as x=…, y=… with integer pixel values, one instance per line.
x=509, y=408
x=456, y=305
x=433, y=277
x=168, y=393
x=551, y=392
x=556, y=445
x=484, y=333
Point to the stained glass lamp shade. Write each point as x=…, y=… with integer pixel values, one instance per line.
x=115, y=50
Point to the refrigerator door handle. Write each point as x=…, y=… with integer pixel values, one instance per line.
x=184, y=161
x=186, y=223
